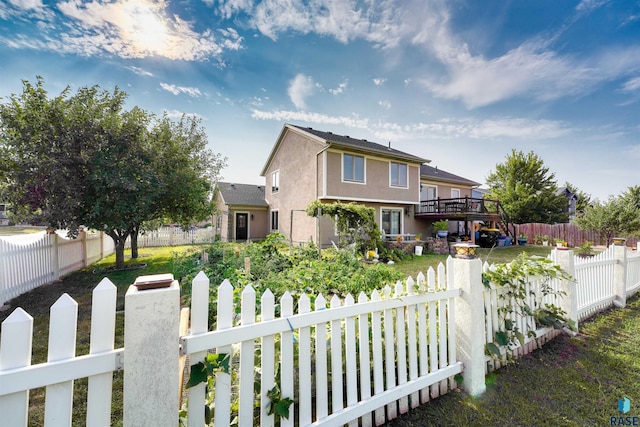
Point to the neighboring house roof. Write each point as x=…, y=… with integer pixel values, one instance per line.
x=434, y=174
x=564, y=191
x=345, y=142
x=242, y=194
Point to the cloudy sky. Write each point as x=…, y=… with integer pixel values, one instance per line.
x=459, y=82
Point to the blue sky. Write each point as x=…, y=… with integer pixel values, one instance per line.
x=458, y=82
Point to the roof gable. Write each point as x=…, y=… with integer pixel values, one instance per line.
x=242, y=194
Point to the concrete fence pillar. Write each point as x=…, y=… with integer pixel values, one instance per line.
x=620, y=275
x=569, y=299
x=470, y=321
x=151, y=357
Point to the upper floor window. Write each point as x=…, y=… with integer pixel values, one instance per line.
x=398, y=174
x=275, y=181
x=455, y=193
x=352, y=168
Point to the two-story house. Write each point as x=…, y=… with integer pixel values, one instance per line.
x=306, y=164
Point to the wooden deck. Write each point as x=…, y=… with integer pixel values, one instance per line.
x=464, y=208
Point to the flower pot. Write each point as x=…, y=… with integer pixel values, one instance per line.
x=442, y=233
x=522, y=241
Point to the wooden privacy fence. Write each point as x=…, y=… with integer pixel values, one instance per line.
x=341, y=361
x=570, y=233
x=32, y=260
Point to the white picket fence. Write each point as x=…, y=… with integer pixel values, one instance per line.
x=31, y=260
x=173, y=236
x=494, y=300
x=341, y=361
x=18, y=376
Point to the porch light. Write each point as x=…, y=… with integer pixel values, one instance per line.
x=619, y=241
x=465, y=250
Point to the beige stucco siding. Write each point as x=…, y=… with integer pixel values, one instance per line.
x=377, y=185
x=444, y=189
x=296, y=160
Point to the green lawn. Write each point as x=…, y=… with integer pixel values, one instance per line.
x=570, y=381
x=6, y=230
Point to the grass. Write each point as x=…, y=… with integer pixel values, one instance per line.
x=411, y=267
x=79, y=286
x=17, y=229
x=570, y=381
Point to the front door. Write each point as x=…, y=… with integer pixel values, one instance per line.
x=242, y=226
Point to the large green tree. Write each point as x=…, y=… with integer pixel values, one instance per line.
x=617, y=217
x=526, y=189
x=83, y=159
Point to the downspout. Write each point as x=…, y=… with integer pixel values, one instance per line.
x=325, y=148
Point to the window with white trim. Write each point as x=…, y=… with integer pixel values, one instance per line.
x=398, y=174
x=275, y=181
x=352, y=168
x=275, y=219
x=391, y=221
x=455, y=193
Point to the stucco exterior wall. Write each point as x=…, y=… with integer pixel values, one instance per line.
x=296, y=161
x=377, y=185
x=444, y=189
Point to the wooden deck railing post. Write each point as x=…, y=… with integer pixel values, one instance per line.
x=151, y=356
x=469, y=318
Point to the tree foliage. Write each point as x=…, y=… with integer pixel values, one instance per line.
x=617, y=217
x=83, y=159
x=527, y=189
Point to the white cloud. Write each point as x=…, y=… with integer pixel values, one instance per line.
x=341, y=87
x=302, y=116
x=631, y=85
x=175, y=114
x=177, y=90
x=378, y=81
x=140, y=71
x=138, y=29
x=587, y=5
x=385, y=104
x=300, y=88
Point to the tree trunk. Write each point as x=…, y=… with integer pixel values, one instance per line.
x=134, y=241
x=119, y=239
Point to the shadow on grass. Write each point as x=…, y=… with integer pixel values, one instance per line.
x=570, y=381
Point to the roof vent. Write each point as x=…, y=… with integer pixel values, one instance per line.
x=436, y=169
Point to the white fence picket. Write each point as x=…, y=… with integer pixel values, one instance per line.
x=337, y=400
x=103, y=322
x=199, y=324
x=15, y=352
x=389, y=354
x=224, y=319
x=351, y=353
x=322, y=401
x=247, y=353
x=286, y=361
x=365, y=358
x=401, y=348
x=304, y=364
x=412, y=342
x=267, y=360
x=378, y=371
x=62, y=345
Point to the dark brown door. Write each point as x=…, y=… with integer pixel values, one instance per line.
x=242, y=226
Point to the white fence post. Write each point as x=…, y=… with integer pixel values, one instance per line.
x=568, y=288
x=55, y=256
x=619, y=275
x=470, y=321
x=152, y=330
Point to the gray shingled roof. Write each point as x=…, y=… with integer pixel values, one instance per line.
x=346, y=141
x=242, y=194
x=429, y=172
